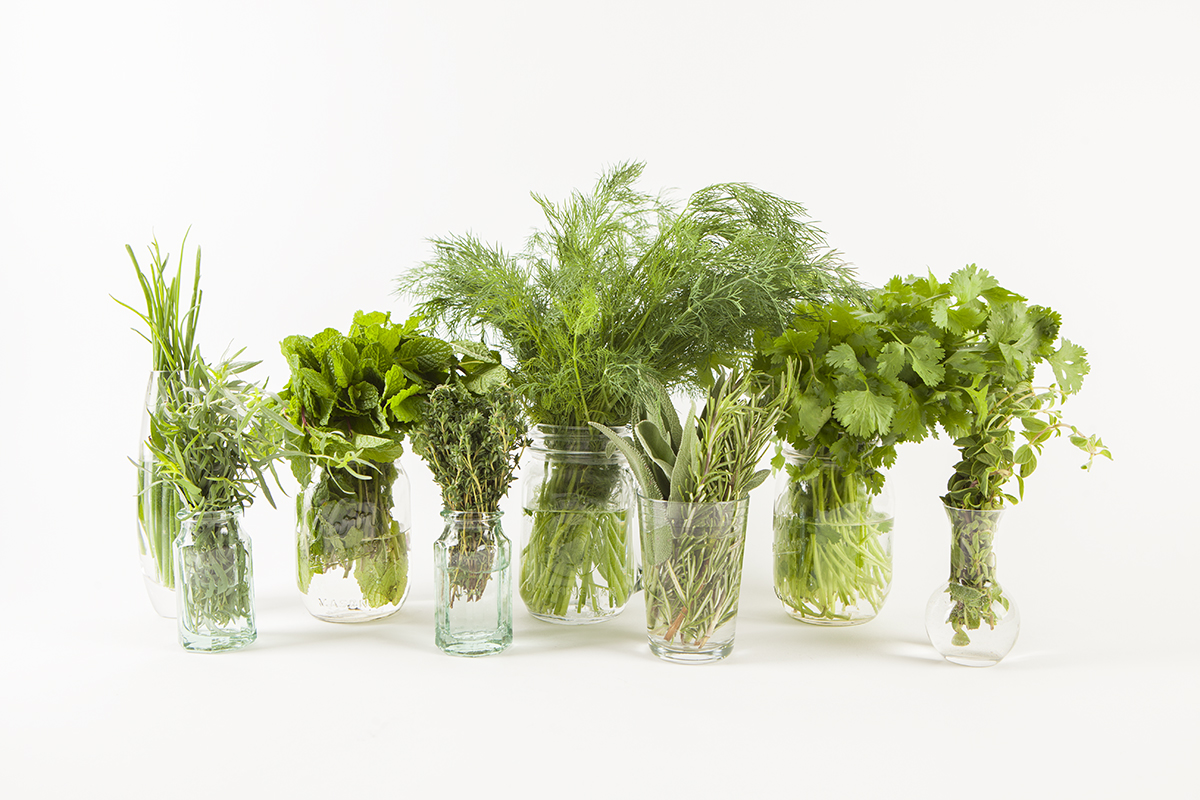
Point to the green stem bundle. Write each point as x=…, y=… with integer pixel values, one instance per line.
x=831, y=552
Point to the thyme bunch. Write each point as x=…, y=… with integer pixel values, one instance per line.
x=472, y=444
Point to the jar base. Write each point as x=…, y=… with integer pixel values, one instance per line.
x=473, y=649
x=216, y=644
x=828, y=622
x=579, y=620
x=682, y=654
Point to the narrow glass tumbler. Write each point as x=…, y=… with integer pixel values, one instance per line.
x=692, y=575
x=472, y=585
x=214, y=583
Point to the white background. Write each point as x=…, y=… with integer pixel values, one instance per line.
x=314, y=148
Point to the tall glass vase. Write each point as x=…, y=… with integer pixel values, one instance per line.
x=577, y=563
x=158, y=504
x=692, y=575
x=472, y=585
x=971, y=620
x=833, y=542
x=214, y=583
x=352, y=543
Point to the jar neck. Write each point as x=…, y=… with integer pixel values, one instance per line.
x=972, y=541
x=568, y=441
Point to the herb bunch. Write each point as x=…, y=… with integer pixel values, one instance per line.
x=704, y=469
x=472, y=444
x=215, y=443
x=352, y=398
x=171, y=333
x=989, y=342
x=621, y=287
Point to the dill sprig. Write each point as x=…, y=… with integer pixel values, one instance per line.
x=620, y=289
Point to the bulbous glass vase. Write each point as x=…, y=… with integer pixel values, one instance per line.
x=970, y=619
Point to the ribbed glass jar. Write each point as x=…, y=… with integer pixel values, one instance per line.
x=577, y=562
x=352, y=543
x=833, y=541
x=214, y=582
x=472, y=585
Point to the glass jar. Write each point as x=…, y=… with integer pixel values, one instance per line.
x=352, y=543
x=472, y=585
x=577, y=563
x=214, y=582
x=833, y=541
x=970, y=619
x=158, y=504
x=692, y=576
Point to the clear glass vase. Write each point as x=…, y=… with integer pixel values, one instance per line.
x=472, y=585
x=971, y=620
x=692, y=576
x=158, y=504
x=833, y=542
x=214, y=582
x=352, y=543
x=577, y=563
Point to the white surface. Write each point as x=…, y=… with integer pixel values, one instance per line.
x=315, y=147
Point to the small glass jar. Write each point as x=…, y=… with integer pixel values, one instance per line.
x=970, y=619
x=352, y=543
x=158, y=504
x=214, y=582
x=472, y=585
x=692, y=575
x=833, y=541
x=577, y=563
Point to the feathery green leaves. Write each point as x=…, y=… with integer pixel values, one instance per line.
x=620, y=290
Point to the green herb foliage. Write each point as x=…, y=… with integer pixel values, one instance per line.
x=621, y=287
x=861, y=376
x=171, y=332
x=352, y=398
x=692, y=546
x=989, y=342
x=472, y=443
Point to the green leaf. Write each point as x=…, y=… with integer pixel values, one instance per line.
x=843, y=359
x=891, y=359
x=812, y=415
x=487, y=378
x=863, y=413
x=926, y=359
x=1070, y=365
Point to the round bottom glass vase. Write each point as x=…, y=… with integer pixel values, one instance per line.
x=472, y=585
x=971, y=620
x=692, y=575
x=832, y=549
x=352, y=544
x=577, y=564
x=214, y=583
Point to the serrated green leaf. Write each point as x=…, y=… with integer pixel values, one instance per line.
x=892, y=357
x=843, y=359
x=1070, y=365
x=863, y=413
x=927, y=356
